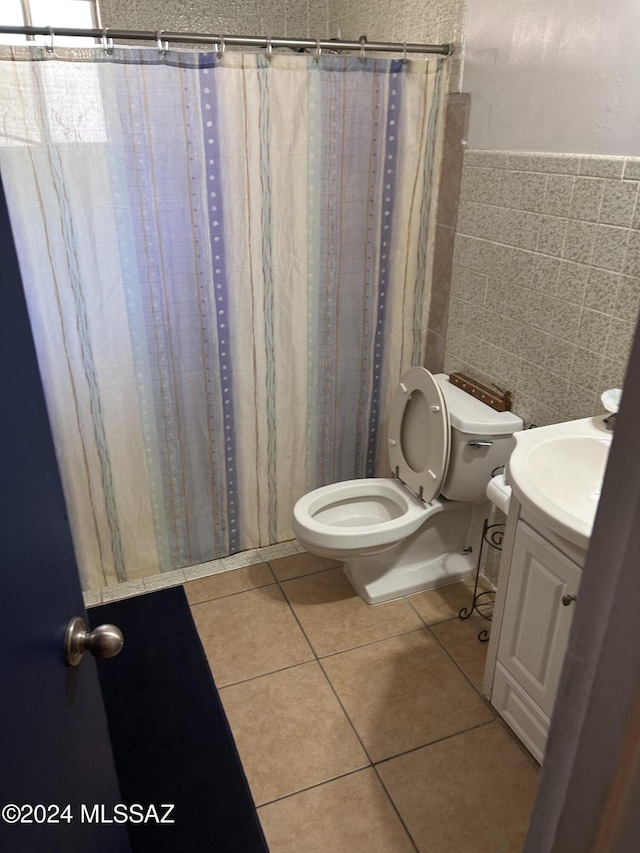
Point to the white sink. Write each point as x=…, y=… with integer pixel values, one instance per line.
x=556, y=472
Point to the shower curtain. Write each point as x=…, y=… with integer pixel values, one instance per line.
x=227, y=265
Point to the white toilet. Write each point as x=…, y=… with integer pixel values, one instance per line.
x=395, y=536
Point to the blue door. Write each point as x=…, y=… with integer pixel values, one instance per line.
x=55, y=753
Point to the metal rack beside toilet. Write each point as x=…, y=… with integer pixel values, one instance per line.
x=482, y=602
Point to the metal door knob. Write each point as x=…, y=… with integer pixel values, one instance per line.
x=568, y=599
x=105, y=641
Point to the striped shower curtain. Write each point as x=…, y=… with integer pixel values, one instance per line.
x=227, y=265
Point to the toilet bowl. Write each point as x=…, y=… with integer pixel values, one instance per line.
x=421, y=528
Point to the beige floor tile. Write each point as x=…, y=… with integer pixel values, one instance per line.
x=249, y=634
x=403, y=693
x=349, y=815
x=297, y=565
x=290, y=731
x=460, y=639
x=334, y=617
x=445, y=602
x=472, y=792
x=227, y=583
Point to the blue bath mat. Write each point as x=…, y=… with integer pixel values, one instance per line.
x=171, y=740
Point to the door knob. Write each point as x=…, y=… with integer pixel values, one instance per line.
x=567, y=599
x=105, y=641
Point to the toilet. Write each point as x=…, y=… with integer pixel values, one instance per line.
x=422, y=528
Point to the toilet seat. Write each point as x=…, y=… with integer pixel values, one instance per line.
x=419, y=433
x=332, y=517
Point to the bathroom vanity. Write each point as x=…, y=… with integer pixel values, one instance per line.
x=539, y=580
x=556, y=475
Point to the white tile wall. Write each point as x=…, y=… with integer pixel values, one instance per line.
x=545, y=289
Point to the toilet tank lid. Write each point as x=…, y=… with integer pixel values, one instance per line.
x=467, y=414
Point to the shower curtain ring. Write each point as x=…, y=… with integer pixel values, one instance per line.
x=404, y=53
x=162, y=48
x=222, y=45
x=269, y=50
x=363, y=41
x=317, y=51
x=49, y=47
x=107, y=43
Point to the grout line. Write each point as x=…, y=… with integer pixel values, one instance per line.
x=315, y=660
x=536, y=251
x=519, y=743
x=231, y=594
x=322, y=657
x=298, y=622
x=249, y=589
x=396, y=809
x=420, y=617
x=636, y=207
x=344, y=710
x=221, y=687
x=477, y=690
x=433, y=742
x=603, y=192
x=317, y=785
x=331, y=686
x=308, y=574
x=322, y=669
x=408, y=752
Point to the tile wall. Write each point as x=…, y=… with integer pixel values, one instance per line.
x=455, y=131
x=305, y=18
x=545, y=286
x=403, y=21
x=439, y=22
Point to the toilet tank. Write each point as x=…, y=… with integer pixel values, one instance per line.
x=481, y=441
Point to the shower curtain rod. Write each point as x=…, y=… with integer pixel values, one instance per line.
x=162, y=37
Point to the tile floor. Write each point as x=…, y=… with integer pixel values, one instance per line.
x=361, y=729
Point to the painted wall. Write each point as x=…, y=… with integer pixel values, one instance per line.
x=554, y=76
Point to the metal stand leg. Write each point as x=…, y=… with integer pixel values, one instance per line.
x=482, y=602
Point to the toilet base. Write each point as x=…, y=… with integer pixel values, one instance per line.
x=444, y=549
x=405, y=580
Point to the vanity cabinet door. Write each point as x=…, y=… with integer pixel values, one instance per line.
x=536, y=623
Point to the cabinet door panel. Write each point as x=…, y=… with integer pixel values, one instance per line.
x=536, y=624
x=520, y=713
